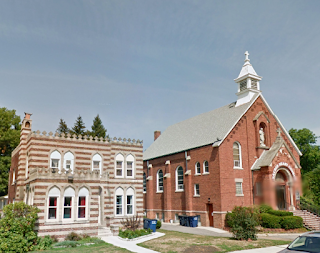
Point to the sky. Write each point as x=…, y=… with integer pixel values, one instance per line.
x=144, y=65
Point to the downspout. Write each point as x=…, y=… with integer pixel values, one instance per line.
x=252, y=192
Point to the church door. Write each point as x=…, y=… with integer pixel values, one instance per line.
x=281, y=197
x=210, y=210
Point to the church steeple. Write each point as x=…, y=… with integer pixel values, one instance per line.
x=248, y=82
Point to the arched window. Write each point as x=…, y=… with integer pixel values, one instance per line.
x=68, y=198
x=27, y=166
x=160, y=181
x=144, y=182
x=237, y=155
x=53, y=201
x=97, y=162
x=82, y=203
x=55, y=159
x=179, y=179
x=197, y=168
x=119, y=202
x=68, y=161
x=119, y=165
x=130, y=201
x=205, y=167
x=130, y=166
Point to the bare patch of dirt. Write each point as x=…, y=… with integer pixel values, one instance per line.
x=200, y=249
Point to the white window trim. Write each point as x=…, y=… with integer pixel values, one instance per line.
x=54, y=157
x=195, y=168
x=239, y=180
x=13, y=177
x=130, y=192
x=195, y=190
x=240, y=157
x=177, y=189
x=27, y=166
x=72, y=218
x=65, y=161
x=122, y=166
x=97, y=158
x=123, y=202
x=58, y=196
x=86, y=207
x=158, y=190
x=128, y=159
x=204, y=168
x=144, y=189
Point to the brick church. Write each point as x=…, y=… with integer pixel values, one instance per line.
x=239, y=154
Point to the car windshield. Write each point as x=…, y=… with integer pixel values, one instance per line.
x=306, y=243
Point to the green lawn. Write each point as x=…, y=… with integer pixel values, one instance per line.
x=175, y=242
x=102, y=247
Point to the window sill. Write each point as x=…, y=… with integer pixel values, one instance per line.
x=197, y=174
x=237, y=168
x=179, y=190
x=196, y=196
x=159, y=191
x=118, y=176
x=205, y=173
x=239, y=195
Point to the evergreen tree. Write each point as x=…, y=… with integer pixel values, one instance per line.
x=9, y=139
x=63, y=128
x=79, y=127
x=97, y=128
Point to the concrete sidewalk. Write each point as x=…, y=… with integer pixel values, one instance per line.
x=132, y=245
x=273, y=249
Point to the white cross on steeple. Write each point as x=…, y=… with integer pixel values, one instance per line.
x=247, y=56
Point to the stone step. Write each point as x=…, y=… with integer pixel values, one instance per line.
x=104, y=231
x=310, y=220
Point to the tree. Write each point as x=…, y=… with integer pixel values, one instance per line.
x=97, y=128
x=63, y=128
x=79, y=127
x=9, y=139
x=314, y=184
x=306, y=140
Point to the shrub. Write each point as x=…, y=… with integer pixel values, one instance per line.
x=72, y=237
x=131, y=223
x=263, y=208
x=158, y=226
x=244, y=221
x=17, y=228
x=280, y=213
x=133, y=234
x=229, y=219
x=54, y=238
x=291, y=222
x=270, y=221
x=44, y=243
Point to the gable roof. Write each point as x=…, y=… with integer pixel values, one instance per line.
x=204, y=129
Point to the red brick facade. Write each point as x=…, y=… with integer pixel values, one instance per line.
x=218, y=187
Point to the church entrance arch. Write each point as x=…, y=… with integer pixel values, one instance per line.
x=283, y=188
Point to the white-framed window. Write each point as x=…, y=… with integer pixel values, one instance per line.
x=55, y=159
x=119, y=166
x=196, y=190
x=160, y=181
x=197, y=168
x=130, y=201
x=97, y=162
x=144, y=182
x=53, y=203
x=237, y=155
x=13, y=176
x=119, y=202
x=130, y=166
x=258, y=189
x=68, y=161
x=27, y=165
x=239, y=190
x=205, y=167
x=179, y=179
x=83, y=198
x=68, y=198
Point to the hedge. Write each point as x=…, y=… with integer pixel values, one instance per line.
x=229, y=219
x=280, y=213
x=270, y=221
x=263, y=208
x=291, y=222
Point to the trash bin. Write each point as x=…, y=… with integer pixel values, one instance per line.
x=150, y=223
x=184, y=220
x=193, y=221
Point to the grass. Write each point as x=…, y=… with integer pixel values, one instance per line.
x=97, y=248
x=175, y=242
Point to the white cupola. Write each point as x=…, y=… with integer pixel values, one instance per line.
x=248, y=82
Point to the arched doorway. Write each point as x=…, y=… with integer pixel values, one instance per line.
x=281, y=190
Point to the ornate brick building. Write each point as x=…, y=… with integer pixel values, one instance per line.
x=77, y=183
x=239, y=154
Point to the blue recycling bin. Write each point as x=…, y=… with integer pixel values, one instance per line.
x=150, y=223
x=184, y=220
x=193, y=221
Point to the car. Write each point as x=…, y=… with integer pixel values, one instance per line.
x=307, y=242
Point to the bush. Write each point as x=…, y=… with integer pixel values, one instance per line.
x=131, y=223
x=229, y=219
x=73, y=237
x=44, y=243
x=280, y=213
x=244, y=221
x=263, y=208
x=17, y=228
x=158, y=226
x=291, y=222
x=133, y=234
x=54, y=238
x=270, y=221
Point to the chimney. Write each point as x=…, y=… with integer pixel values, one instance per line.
x=27, y=115
x=157, y=134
